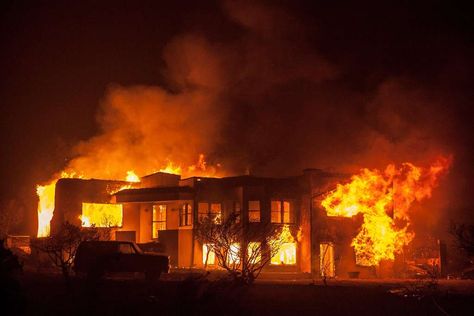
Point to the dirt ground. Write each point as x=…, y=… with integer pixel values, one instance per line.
x=47, y=294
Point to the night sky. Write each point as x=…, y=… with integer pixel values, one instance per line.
x=266, y=87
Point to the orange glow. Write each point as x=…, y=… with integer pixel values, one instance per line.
x=376, y=195
x=132, y=177
x=46, y=202
x=286, y=253
x=210, y=257
x=171, y=168
x=45, y=207
x=101, y=215
x=46, y=192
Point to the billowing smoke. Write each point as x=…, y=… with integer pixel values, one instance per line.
x=265, y=100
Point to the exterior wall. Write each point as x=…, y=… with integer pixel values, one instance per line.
x=305, y=242
x=131, y=219
x=185, y=248
x=145, y=222
x=180, y=243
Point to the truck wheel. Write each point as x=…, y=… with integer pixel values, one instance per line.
x=152, y=275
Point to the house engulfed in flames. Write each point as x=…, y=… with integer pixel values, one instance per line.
x=338, y=225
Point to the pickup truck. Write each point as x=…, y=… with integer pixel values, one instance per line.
x=95, y=258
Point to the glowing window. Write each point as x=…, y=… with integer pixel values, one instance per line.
x=281, y=211
x=185, y=215
x=101, y=215
x=326, y=260
x=159, y=219
x=208, y=255
x=237, y=211
x=233, y=257
x=213, y=210
x=254, y=211
x=285, y=255
x=276, y=211
x=254, y=252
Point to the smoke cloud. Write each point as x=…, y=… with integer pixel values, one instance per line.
x=268, y=101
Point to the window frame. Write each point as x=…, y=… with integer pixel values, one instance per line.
x=281, y=203
x=210, y=211
x=186, y=215
x=251, y=211
x=153, y=221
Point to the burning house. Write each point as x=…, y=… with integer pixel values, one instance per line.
x=336, y=225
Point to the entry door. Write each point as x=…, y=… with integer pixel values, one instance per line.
x=326, y=264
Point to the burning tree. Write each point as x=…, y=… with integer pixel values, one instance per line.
x=62, y=246
x=241, y=250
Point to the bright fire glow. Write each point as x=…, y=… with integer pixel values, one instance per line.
x=286, y=253
x=171, y=168
x=132, y=177
x=46, y=192
x=233, y=257
x=376, y=195
x=101, y=215
x=211, y=257
x=46, y=203
x=45, y=207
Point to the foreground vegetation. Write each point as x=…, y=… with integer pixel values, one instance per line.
x=47, y=294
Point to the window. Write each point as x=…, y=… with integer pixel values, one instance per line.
x=281, y=211
x=208, y=255
x=213, y=210
x=254, y=211
x=326, y=260
x=286, y=254
x=101, y=215
x=254, y=252
x=159, y=219
x=126, y=249
x=185, y=215
x=237, y=211
x=233, y=257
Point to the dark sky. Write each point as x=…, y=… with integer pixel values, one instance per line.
x=292, y=84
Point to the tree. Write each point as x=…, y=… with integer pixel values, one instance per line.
x=241, y=250
x=464, y=237
x=11, y=214
x=62, y=246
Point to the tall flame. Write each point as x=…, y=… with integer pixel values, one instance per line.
x=45, y=207
x=384, y=200
x=46, y=192
x=132, y=177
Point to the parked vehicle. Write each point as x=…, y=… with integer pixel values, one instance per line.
x=98, y=257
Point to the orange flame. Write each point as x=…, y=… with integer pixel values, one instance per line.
x=132, y=177
x=375, y=195
x=171, y=168
x=46, y=192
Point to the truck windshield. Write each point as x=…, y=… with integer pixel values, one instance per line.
x=126, y=248
x=137, y=249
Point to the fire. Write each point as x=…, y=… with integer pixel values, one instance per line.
x=132, y=177
x=101, y=215
x=45, y=207
x=384, y=200
x=46, y=192
x=171, y=168
x=286, y=253
x=46, y=202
